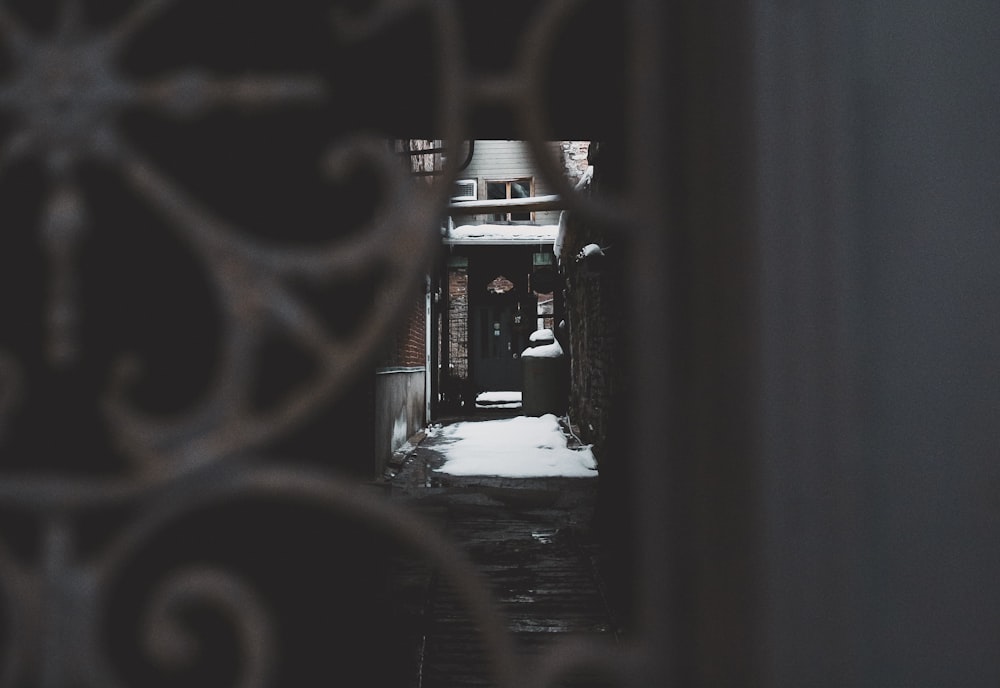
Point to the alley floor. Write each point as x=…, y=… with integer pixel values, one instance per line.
x=531, y=540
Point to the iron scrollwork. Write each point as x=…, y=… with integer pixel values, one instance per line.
x=64, y=96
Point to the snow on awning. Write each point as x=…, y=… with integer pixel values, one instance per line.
x=501, y=234
x=498, y=400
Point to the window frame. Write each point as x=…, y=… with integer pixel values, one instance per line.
x=507, y=181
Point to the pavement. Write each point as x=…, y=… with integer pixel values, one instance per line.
x=530, y=538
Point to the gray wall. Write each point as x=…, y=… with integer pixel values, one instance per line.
x=826, y=452
x=879, y=168
x=399, y=410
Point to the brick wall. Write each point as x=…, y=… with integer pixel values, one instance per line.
x=458, y=323
x=399, y=390
x=406, y=347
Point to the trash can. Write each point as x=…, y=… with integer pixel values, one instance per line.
x=544, y=376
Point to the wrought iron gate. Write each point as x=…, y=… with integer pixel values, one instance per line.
x=165, y=247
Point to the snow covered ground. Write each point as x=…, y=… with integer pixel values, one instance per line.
x=522, y=447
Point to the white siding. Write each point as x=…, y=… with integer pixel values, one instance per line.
x=501, y=160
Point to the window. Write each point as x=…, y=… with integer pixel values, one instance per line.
x=511, y=188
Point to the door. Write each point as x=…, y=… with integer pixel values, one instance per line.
x=496, y=346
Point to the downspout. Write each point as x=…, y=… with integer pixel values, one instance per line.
x=468, y=156
x=428, y=321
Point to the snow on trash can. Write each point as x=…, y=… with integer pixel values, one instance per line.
x=544, y=378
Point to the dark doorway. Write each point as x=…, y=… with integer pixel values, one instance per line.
x=502, y=315
x=497, y=344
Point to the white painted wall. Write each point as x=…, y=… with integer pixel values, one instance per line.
x=500, y=160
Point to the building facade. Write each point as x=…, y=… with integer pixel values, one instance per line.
x=499, y=275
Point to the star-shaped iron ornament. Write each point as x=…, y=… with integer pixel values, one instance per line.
x=65, y=94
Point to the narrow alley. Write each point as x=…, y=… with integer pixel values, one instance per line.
x=528, y=536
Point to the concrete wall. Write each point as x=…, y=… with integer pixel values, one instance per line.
x=399, y=410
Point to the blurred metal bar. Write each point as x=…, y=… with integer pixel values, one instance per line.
x=532, y=203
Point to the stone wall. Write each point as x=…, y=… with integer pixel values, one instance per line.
x=595, y=316
x=574, y=158
x=600, y=319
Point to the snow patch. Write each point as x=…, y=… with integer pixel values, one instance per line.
x=503, y=400
x=399, y=431
x=542, y=234
x=497, y=397
x=552, y=350
x=557, y=243
x=522, y=447
x=589, y=250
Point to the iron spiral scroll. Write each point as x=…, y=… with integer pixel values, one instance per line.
x=86, y=106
